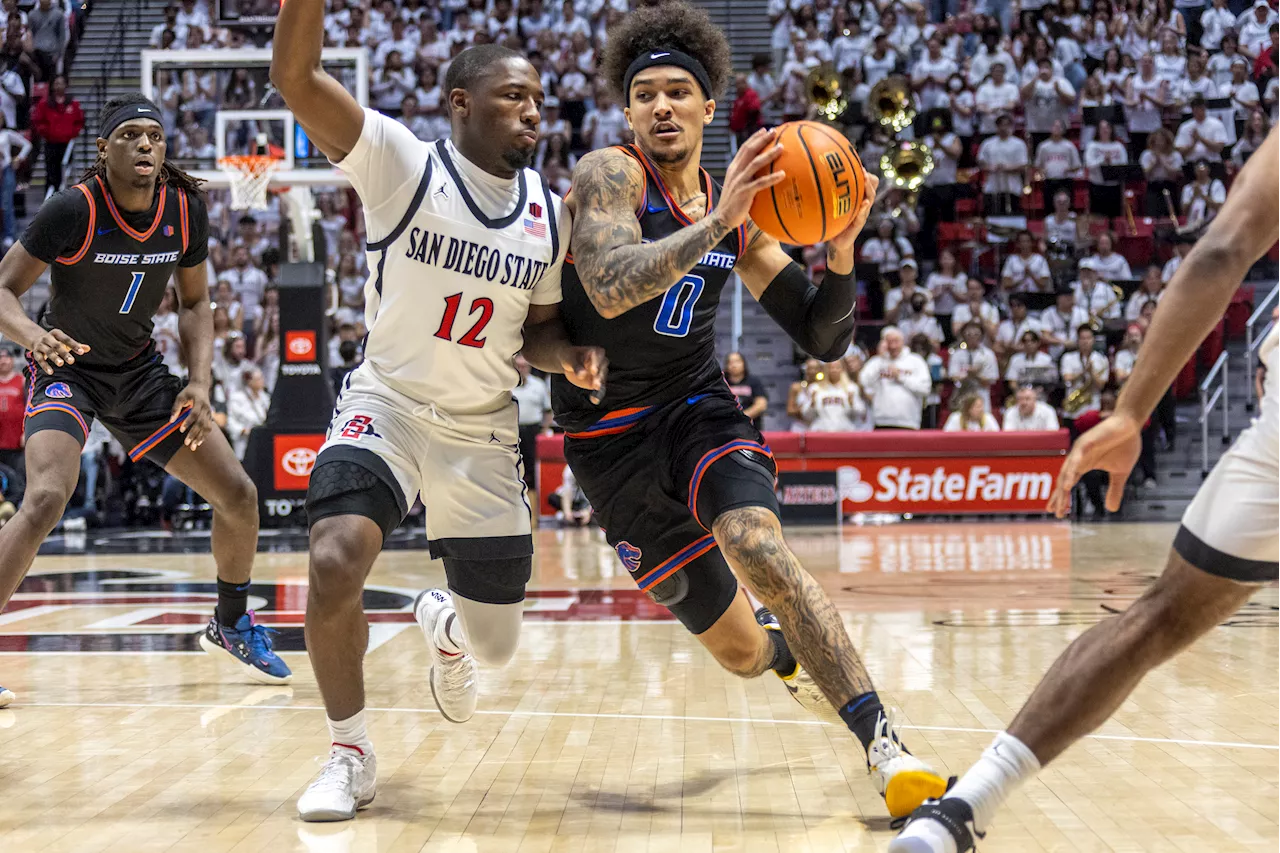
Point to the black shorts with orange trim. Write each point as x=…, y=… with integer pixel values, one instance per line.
x=658, y=477
x=133, y=401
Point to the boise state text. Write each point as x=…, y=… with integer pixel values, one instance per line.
x=474, y=259
x=131, y=260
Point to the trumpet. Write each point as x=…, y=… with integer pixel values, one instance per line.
x=825, y=92
x=890, y=103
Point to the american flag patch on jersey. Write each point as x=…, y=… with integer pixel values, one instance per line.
x=535, y=229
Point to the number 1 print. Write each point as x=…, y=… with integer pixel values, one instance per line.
x=134, y=287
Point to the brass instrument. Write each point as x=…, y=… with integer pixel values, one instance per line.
x=1082, y=390
x=825, y=92
x=905, y=165
x=1168, y=203
x=890, y=103
x=1095, y=317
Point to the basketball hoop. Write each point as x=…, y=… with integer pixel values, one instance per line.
x=250, y=175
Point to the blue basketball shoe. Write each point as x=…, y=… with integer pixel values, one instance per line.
x=6, y=697
x=248, y=645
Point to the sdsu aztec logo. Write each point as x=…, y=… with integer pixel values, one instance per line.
x=298, y=462
x=134, y=610
x=359, y=425
x=630, y=556
x=58, y=391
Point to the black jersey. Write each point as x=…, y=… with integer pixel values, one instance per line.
x=659, y=351
x=110, y=267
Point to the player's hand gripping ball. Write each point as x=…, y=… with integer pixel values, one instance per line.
x=822, y=191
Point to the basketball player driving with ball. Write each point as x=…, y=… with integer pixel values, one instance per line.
x=678, y=476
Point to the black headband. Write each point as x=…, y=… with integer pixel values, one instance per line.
x=666, y=56
x=129, y=112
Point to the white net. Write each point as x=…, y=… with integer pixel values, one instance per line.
x=250, y=176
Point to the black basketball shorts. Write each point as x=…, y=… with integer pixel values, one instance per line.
x=134, y=402
x=657, y=478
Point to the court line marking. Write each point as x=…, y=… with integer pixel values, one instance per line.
x=655, y=717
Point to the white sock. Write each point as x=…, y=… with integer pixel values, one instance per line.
x=351, y=732
x=448, y=634
x=1004, y=765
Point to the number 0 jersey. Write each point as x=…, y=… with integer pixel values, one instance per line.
x=110, y=267
x=450, y=286
x=659, y=351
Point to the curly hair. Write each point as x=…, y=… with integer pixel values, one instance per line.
x=672, y=24
x=169, y=174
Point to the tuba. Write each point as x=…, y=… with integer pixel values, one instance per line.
x=825, y=92
x=890, y=104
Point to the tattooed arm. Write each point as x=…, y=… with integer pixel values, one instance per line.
x=617, y=270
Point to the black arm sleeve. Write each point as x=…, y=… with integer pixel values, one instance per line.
x=198, y=242
x=819, y=319
x=58, y=228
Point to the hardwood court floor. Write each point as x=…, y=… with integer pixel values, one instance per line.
x=612, y=730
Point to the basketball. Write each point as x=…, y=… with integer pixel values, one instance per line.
x=824, y=185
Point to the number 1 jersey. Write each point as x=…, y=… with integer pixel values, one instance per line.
x=450, y=285
x=659, y=351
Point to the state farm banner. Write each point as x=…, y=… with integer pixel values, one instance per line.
x=920, y=485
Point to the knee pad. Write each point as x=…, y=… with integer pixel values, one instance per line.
x=500, y=580
x=341, y=486
x=741, y=478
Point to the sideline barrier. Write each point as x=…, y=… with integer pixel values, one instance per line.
x=924, y=473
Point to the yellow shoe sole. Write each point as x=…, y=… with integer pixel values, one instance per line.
x=908, y=790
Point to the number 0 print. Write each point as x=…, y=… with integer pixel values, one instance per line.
x=134, y=287
x=675, y=316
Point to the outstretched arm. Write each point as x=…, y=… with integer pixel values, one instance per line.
x=327, y=111
x=616, y=270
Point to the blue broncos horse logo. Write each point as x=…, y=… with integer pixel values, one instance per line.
x=629, y=555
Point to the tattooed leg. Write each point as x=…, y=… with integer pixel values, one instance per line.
x=751, y=540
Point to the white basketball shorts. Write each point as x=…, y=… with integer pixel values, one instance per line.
x=1232, y=528
x=466, y=468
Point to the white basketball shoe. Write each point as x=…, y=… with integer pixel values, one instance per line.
x=346, y=783
x=6, y=697
x=453, y=675
x=903, y=780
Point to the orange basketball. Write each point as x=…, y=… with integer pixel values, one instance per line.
x=823, y=188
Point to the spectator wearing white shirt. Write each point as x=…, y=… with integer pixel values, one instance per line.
x=921, y=323
x=848, y=46
x=1195, y=82
x=533, y=413
x=834, y=403
x=1203, y=197
x=1148, y=95
x=973, y=365
x=433, y=46
x=1026, y=270
x=975, y=307
x=1004, y=158
x=1012, y=330
x=1047, y=98
x=247, y=407
x=1059, y=322
x=1092, y=376
x=1171, y=62
x=947, y=286
x=971, y=415
x=246, y=281
x=898, y=301
x=1201, y=137
x=1030, y=414
x=1214, y=24
x=391, y=83
x=897, y=381
x=995, y=97
x=930, y=74
x=1181, y=249
x=1255, y=32
x=605, y=125
x=10, y=163
x=885, y=249
x=170, y=23
x=1151, y=289
x=990, y=53
x=1109, y=264
x=1063, y=230
x=1162, y=165
x=1127, y=355
x=1242, y=91
x=1094, y=294
x=1104, y=150
x=1057, y=161
x=413, y=119
x=1030, y=366
x=399, y=40
x=761, y=78
x=571, y=22
x=880, y=62
x=191, y=16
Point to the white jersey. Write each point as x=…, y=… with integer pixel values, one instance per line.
x=451, y=286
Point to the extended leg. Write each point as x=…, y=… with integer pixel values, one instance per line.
x=53, y=466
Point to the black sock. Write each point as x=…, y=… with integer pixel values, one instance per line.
x=233, y=601
x=860, y=714
x=784, y=663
